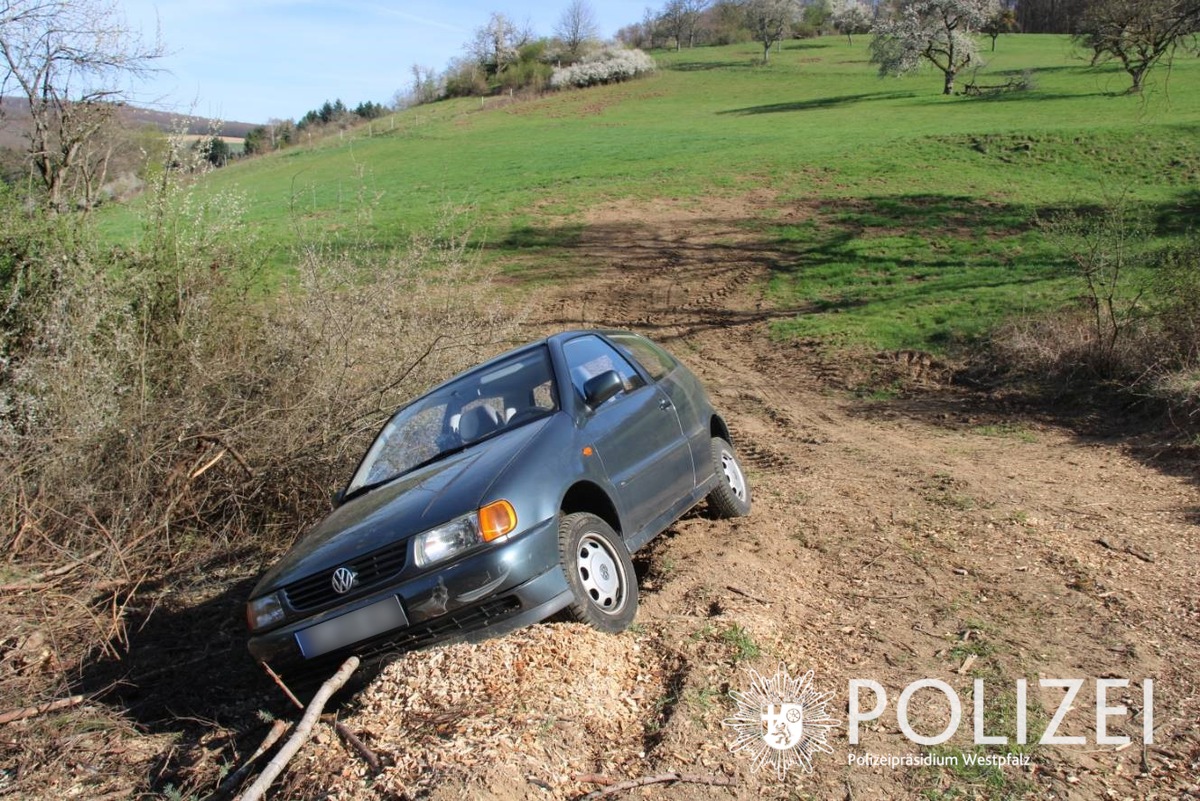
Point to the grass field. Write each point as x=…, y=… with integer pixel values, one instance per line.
x=917, y=208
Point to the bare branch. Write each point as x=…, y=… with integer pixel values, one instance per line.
x=303, y=731
x=72, y=60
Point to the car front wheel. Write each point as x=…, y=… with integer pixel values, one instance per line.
x=731, y=496
x=599, y=572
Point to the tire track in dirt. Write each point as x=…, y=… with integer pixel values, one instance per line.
x=889, y=541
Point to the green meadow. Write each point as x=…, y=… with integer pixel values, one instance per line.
x=903, y=218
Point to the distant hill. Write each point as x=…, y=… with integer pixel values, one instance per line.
x=14, y=117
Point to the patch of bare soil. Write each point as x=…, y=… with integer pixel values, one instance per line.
x=940, y=535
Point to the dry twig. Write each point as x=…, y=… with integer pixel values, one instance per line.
x=236, y=778
x=748, y=594
x=279, y=681
x=40, y=709
x=359, y=746
x=303, y=731
x=632, y=784
x=38, y=581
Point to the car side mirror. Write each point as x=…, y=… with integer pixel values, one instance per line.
x=600, y=388
x=338, y=497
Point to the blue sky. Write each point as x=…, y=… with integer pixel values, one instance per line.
x=252, y=60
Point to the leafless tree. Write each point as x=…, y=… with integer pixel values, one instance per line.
x=653, y=27
x=576, y=27
x=681, y=18
x=425, y=88
x=633, y=35
x=769, y=21
x=71, y=60
x=693, y=15
x=1137, y=34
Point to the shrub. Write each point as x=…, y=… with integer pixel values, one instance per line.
x=610, y=65
x=526, y=74
x=1176, y=301
x=1107, y=253
x=1136, y=325
x=464, y=78
x=159, y=409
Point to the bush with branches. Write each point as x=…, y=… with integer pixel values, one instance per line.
x=160, y=410
x=1137, y=322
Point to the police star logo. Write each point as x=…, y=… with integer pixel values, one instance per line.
x=781, y=722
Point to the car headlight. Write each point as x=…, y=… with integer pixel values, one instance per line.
x=492, y=522
x=264, y=611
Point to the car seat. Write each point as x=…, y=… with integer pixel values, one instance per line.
x=478, y=422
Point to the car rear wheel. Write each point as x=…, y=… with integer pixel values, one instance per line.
x=599, y=572
x=731, y=496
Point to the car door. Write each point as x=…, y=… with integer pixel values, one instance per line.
x=680, y=386
x=636, y=434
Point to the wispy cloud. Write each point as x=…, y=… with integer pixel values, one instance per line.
x=432, y=23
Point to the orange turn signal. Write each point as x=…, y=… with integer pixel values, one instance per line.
x=496, y=520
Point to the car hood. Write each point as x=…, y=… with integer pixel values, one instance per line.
x=395, y=511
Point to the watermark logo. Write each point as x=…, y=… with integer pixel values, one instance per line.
x=781, y=722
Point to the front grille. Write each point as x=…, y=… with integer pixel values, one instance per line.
x=317, y=590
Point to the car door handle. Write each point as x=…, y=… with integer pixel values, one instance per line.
x=664, y=404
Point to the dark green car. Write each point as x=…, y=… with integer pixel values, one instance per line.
x=513, y=491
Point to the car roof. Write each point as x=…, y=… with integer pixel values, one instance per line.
x=557, y=339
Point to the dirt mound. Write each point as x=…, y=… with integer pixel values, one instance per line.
x=536, y=707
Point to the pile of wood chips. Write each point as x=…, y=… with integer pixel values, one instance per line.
x=533, y=708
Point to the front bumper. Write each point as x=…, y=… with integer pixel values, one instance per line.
x=483, y=594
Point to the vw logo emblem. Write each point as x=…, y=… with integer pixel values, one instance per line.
x=343, y=580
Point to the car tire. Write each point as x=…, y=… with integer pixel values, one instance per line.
x=599, y=572
x=731, y=496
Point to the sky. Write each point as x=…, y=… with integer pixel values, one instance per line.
x=254, y=60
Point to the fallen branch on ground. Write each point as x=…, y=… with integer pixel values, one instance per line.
x=40, y=709
x=235, y=779
x=302, y=733
x=748, y=594
x=38, y=581
x=620, y=787
x=275, y=677
x=359, y=746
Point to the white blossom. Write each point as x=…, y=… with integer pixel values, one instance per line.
x=610, y=65
x=942, y=32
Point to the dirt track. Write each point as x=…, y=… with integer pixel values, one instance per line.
x=934, y=535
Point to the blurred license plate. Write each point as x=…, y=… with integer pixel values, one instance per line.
x=358, y=625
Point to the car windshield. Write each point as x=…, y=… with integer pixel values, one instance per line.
x=465, y=411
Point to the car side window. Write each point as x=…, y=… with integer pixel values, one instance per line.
x=653, y=359
x=589, y=356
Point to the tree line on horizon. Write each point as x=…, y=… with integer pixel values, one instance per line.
x=69, y=76
x=504, y=57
